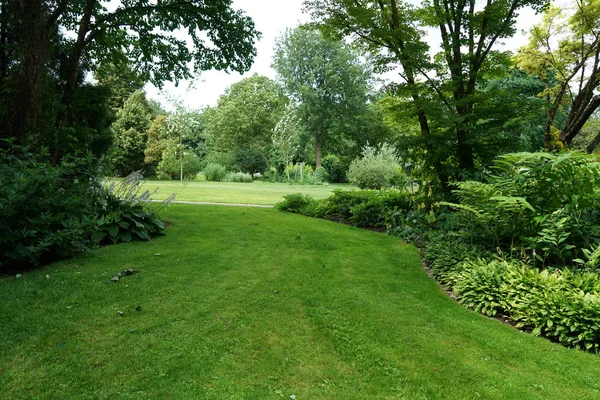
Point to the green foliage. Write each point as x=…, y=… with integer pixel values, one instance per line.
x=562, y=305
x=173, y=163
x=220, y=157
x=563, y=44
x=371, y=209
x=241, y=177
x=375, y=169
x=120, y=80
x=46, y=211
x=286, y=136
x=327, y=79
x=479, y=286
x=214, y=172
x=157, y=141
x=130, y=132
x=246, y=115
x=320, y=176
x=296, y=203
x=335, y=168
x=299, y=172
x=446, y=254
x=250, y=160
x=126, y=213
x=514, y=207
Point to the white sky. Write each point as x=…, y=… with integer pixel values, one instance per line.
x=271, y=18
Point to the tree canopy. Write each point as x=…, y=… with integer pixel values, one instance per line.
x=327, y=80
x=564, y=50
x=443, y=88
x=246, y=114
x=46, y=47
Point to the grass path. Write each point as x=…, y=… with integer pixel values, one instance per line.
x=258, y=192
x=246, y=303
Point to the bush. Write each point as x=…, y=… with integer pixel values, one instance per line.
x=299, y=172
x=218, y=157
x=335, y=168
x=375, y=169
x=297, y=203
x=47, y=212
x=237, y=177
x=541, y=201
x=249, y=160
x=479, y=286
x=447, y=254
x=169, y=166
x=320, y=176
x=214, y=172
x=126, y=213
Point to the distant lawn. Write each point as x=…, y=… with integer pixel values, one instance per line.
x=257, y=192
x=240, y=303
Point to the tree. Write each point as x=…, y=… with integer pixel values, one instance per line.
x=325, y=77
x=130, y=132
x=46, y=47
x=245, y=115
x=286, y=136
x=443, y=89
x=121, y=80
x=566, y=45
x=157, y=141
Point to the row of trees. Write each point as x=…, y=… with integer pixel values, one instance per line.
x=453, y=96
x=449, y=116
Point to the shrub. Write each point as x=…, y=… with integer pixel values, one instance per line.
x=320, y=176
x=299, y=172
x=214, y=172
x=170, y=165
x=126, y=213
x=375, y=169
x=335, y=168
x=541, y=201
x=237, y=177
x=218, y=157
x=563, y=306
x=296, y=203
x=479, y=285
x=364, y=208
x=446, y=254
x=47, y=212
x=249, y=160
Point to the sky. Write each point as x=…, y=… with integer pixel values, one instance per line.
x=271, y=18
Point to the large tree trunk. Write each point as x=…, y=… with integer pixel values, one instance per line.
x=593, y=144
x=75, y=60
x=579, y=114
x=318, y=150
x=25, y=107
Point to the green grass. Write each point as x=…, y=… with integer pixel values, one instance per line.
x=257, y=192
x=240, y=303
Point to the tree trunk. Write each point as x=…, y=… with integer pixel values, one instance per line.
x=74, y=61
x=25, y=108
x=318, y=150
x=578, y=117
x=593, y=144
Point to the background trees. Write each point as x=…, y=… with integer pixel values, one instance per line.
x=442, y=90
x=245, y=115
x=130, y=132
x=564, y=50
x=327, y=80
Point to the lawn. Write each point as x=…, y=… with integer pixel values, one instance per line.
x=257, y=192
x=242, y=303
